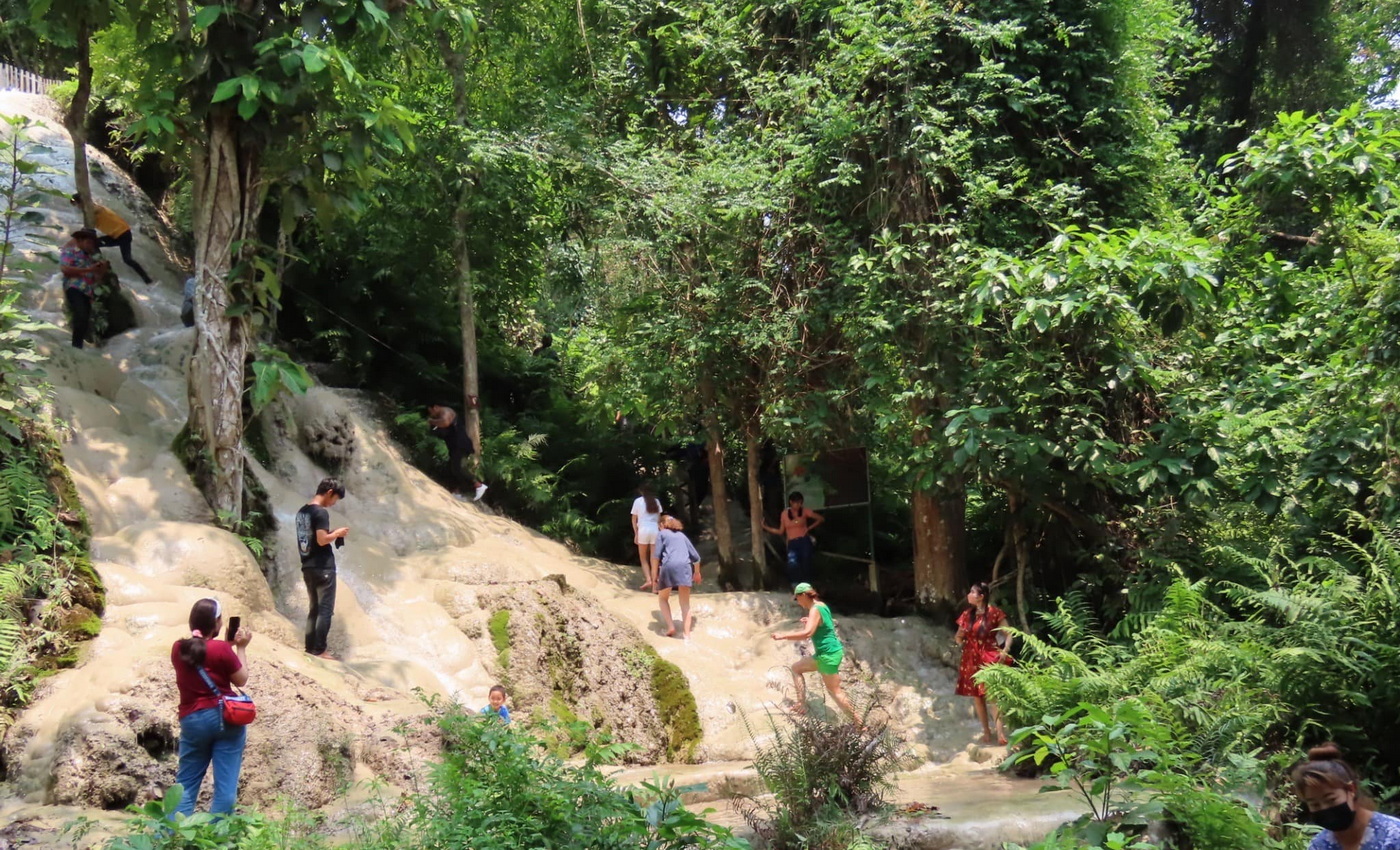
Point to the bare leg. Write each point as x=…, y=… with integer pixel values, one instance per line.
x=664, y=598
x=996, y=718
x=980, y=703
x=833, y=687
x=644, y=555
x=684, y=593
x=799, y=687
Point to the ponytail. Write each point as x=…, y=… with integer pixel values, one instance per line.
x=204, y=624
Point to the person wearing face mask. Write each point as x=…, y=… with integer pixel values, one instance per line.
x=1331, y=791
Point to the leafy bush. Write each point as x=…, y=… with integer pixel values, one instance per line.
x=496, y=788
x=1214, y=693
x=499, y=788
x=820, y=776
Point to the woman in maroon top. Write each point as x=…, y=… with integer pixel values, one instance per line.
x=204, y=737
x=979, y=628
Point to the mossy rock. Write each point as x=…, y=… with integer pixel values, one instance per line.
x=679, y=714
x=499, y=627
x=80, y=624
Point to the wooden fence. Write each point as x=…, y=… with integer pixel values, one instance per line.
x=18, y=79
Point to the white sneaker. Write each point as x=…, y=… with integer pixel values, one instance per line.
x=459, y=497
x=480, y=491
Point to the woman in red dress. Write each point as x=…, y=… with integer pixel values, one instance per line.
x=979, y=628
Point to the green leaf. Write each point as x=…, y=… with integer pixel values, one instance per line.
x=206, y=17
x=227, y=89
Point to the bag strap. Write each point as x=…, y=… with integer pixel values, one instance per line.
x=208, y=680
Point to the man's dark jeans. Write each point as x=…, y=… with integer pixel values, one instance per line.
x=123, y=242
x=799, y=559
x=320, y=590
x=80, y=305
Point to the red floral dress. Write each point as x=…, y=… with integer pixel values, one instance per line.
x=979, y=647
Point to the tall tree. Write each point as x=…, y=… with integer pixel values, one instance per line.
x=258, y=98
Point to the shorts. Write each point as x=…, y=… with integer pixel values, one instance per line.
x=675, y=577
x=646, y=538
x=829, y=664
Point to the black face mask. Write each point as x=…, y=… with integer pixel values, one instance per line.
x=1338, y=818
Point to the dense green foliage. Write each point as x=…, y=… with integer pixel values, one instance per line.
x=496, y=788
x=1185, y=716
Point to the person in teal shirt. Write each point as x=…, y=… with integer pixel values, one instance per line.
x=497, y=708
x=827, y=651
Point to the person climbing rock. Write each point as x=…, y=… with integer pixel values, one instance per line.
x=646, y=525
x=796, y=525
x=827, y=651
x=980, y=634
x=80, y=261
x=676, y=566
x=115, y=232
x=204, y=737
x=314, y=541
x=1331, y=792
x=446, y=425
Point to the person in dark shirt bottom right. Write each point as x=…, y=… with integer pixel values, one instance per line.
x=314, y=541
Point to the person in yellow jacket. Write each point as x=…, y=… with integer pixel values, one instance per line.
x=115, y=232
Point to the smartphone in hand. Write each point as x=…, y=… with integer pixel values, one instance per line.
x=233, y=624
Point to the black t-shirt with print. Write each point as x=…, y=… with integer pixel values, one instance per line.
x=314, y=556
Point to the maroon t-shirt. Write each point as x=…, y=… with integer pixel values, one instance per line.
x=220, y=662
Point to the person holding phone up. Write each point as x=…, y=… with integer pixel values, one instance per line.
x=204, y=737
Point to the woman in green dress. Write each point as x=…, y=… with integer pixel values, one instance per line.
x=827, y=650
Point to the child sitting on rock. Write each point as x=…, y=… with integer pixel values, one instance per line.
x=498, y=704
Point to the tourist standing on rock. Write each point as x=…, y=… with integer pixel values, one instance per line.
x=827, y=651
x=1331, y=791
x=83, y=269
x=984, y=642
x=446, y=425
x=204, y=736
x=646, y=526
x=796, y=526
x=676, y=566
x=314, y=541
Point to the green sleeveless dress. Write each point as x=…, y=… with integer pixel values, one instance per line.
x=827, y=650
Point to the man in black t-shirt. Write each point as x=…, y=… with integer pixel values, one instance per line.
x=314, y=541
x=446, y=425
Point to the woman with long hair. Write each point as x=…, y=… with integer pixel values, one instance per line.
x=204, y=737
x=646, y=526
x=1331, y=792
x=984, y=641
x=827, y=651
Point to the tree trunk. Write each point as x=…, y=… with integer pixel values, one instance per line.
x=75, y=121
x=753, y=580
x=940, y=560
x=719, y=495
x=461, y=221
x=1239, y=88
x=1021, y=542
x=227, y=197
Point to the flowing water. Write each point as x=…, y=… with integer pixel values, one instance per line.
x=407, y=576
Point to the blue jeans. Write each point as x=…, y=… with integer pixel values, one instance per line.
x=799, y=559
x=204, y=737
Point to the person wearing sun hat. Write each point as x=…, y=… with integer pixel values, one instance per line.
x=827, y=651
